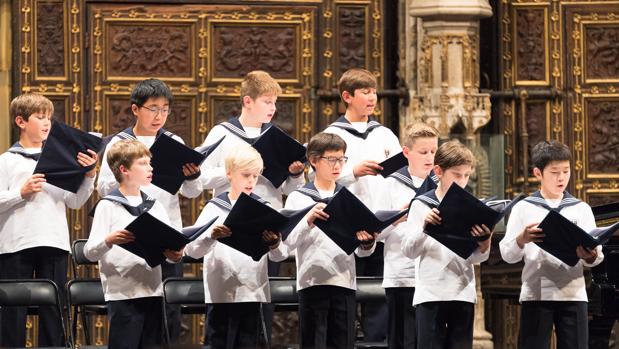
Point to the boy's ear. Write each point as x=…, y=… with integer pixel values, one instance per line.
x=538, y=173
x=438, y=171
x=20, y=122
x=346, y=96
x=405, y=150
x=134, y=109
x=123, y=169
x=246, y=100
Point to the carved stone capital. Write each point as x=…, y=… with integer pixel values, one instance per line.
x=450, y=9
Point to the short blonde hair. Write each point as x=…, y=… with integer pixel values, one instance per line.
x=453, y=153
x=243, y=157
x=259, y=83
x=29, y=103
x=124, y=153
x=354, y=79
x=418, y=130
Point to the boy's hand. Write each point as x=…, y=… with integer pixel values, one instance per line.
x=172, y=255
x=366, y=239
x=191, y=170
x=88, y=160
x=220, y=231
x=587, y=255
x=433, y=217
x=366, y=168
x=317, y=213
x=272, y=239
x=33, y=185
x=119, y=237
x=530, y=234
x=296, y=168
x=482, y=231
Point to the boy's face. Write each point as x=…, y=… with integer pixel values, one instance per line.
x=362, y=102
x=421, y=156
x=36, y=129
x=328, y=167
x=139, y=173
x=261, y=109
x=457, y=174
x=243, y=180
x=555, y=177
x=151, y=117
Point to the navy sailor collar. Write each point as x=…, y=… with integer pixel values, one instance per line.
x=344, y=124
x=223, y=201
x=128, y=133
x=537, y=199
x=234, y=125
x=117, y=197
x=403, y=176
x=309, y=189
x=429, y=198
x=19, y=149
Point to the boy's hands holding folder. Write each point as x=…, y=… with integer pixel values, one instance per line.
x=433, y=217
x=220, y=231
x=531, y=233
x=86, y=160
x=191, y=170
x=587, y=255
x=296, y=168
x=366, y=168
x=119, y=237
x=172, y=255
x=483, y=236
x=366, y=239
x=317, y=213
x=33, y=185
x=271, y=239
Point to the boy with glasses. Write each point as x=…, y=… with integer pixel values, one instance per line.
x=151, y=102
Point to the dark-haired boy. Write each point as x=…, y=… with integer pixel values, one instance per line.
x=151, y=103
x=553, y=293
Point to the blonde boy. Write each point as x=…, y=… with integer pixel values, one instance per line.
x=420, y=145
x=34, y=234
x=235, y=286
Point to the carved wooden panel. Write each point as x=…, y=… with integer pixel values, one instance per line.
x=600, y=52
x=537, y=124
x=600, y=198
x=50, y=54
x=602, y=115
x=134, y=50
x=61, y=107
x=351, y=37
x=239, y=48
x=530, y=42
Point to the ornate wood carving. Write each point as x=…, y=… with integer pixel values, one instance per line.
x=536, y=122
x=149, y=49
x=50, y=39
x=601, y=53
x=351, y=37
x=60, y=107
x=595, y=199
x=239, y=49
x=603, y=136
x=530, y=45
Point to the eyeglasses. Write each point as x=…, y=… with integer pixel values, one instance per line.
x=333, y=160
x=157, y=110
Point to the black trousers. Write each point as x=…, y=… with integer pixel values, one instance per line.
x=402, y=327
x=569, y=319
x=235, y=326
x=40, y=263
x=373, y=315
x=135, y=323
x=445, y=325
x=173, y=311
x=327, y=317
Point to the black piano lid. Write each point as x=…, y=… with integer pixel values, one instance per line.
x=606, y=211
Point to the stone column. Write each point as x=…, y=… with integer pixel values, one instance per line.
x=440, y=64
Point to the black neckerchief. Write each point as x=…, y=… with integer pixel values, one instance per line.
x=537, y=199
x=429, y=198
x=223, y=201
x=309, y=189
x=18, y=149
x=403, y=176
x=344, y=124
x=116, y=196
x=128, y=134
x=234, y=126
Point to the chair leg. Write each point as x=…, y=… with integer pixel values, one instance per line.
x=86, y=327
x=166, y=330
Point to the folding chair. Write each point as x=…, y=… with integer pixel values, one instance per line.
x=33, y=292
x=188, y=292
x=80, y=294
x=79, y=259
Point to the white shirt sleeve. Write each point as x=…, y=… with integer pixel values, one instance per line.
x=414, y=239
x=203, y=244
x=95, y=247
x=106, y=181
x=510, y=251
x=213, y=170
x=588, y=224
x=9, y=197
x=78, y=199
